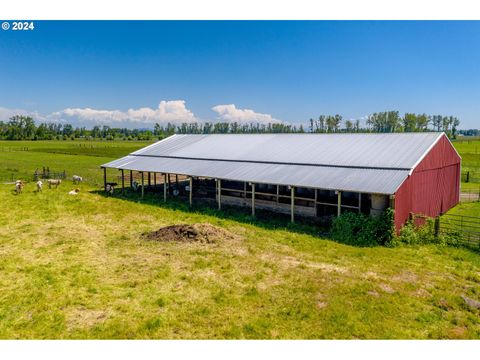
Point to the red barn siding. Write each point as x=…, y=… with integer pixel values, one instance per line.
x=434, y=185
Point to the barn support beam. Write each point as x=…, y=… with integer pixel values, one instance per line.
x=359, y=203
x=244, y=189
x=190, y=195
x=253, y=199
x=154, y=182
x=315, y=203
x=149, y=179
x=176, y=182
x=123, y=183
x=391, y=202
x=339, y=203
x=292, y=204
x=168, y=183
x=143, y=184
x=131, y=178
x=164, y=187
x=219, y=193
x=105, y=179
x=278, y=193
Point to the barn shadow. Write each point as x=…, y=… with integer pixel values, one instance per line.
x=264, y=219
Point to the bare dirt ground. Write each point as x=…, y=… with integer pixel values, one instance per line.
x=202, y=233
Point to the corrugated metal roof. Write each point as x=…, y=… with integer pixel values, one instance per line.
x=370, y=163
x=396, y=150
x=334, y=178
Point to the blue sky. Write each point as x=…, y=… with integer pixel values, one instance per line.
x=94, y=72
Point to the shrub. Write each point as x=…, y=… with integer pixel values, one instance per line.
x=363, y=230
x=411, y=234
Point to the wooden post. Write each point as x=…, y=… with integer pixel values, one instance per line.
x=149, y=179
x=131, y=178
x=278, y=193
x=105, y=179
x=190, y=196
x=123, y=183
x=176, y=182
x=339, y=203
x=219, y=193
x=154, y=181
x=253, y=199
x=164, y=187
x=244, y=189
x=437, y=226
x=292, y=204
x=316, y=199
x=359, y=203
x=143, y=185
x=168, y=181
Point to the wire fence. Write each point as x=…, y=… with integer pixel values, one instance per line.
x=470, y=195
x=471, y=176
x=465, y=228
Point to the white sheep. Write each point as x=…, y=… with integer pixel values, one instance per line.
x=77, y=179
x=55, y=182
x=110, y=189
x=39, y=185
x=19, y=185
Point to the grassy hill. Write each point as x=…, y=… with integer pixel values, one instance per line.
x=79, y=267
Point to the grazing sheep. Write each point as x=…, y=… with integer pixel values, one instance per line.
x=54, y=182
x=74, y=192
x=77, y=179
x=39, y=185
x=19, y=185
x=110, y=189
x=135, y=186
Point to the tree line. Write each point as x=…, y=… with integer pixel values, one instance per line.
x=21, y=127
x=387, y=121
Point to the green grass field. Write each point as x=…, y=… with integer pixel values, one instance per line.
x=78, y=267
x=469, y=150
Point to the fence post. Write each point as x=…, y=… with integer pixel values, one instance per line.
x=437, y=226
x=468, y=177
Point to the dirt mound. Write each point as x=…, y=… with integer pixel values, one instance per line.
x=202, y=233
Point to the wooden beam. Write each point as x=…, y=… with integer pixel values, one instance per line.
x=315, y=204
x=131, y=178
x=359, y=202
x=149, y=179
x=339, y=203
x=164, y=187
x=244, y=189
x=155, y=180
x=176, y=182
x=219, y=193
x=143, y=184
x=123, y=183
x=190, y=196
x=105, y=179
x=278, y=193
x=253, y=199
x=292, y=204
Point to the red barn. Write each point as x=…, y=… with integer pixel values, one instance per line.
x=312, y=175
x=433, y=186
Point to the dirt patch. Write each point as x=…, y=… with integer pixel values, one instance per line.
x=82, y=317
x=201, y=233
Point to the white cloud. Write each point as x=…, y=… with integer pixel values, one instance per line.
x=6, y=113
x=230, y=113
x=173, y=111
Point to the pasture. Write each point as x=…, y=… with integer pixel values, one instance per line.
x=78, y=267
